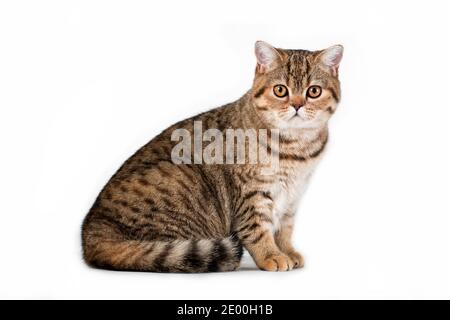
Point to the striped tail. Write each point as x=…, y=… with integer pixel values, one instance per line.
x=206, y=255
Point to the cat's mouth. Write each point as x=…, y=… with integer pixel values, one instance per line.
x=296, y=116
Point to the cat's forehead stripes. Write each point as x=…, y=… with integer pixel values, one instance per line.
x=297, y=68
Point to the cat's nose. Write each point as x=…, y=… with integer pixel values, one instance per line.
x=297, y=102
x=297, y=106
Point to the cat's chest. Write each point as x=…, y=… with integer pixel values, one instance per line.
x=288, y=188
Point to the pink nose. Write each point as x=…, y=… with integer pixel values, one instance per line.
x=298, y=105
x=297, y=102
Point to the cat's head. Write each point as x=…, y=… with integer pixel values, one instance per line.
x=296, y=88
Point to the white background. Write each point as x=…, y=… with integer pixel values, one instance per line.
x=83, y=84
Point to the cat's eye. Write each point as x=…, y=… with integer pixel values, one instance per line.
x=314, y=92
x=280, y=91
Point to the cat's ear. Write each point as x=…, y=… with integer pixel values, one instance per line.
x=268, y=57
x=331, y=58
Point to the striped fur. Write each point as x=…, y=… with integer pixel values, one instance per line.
x=154, y=215
x=206, y=255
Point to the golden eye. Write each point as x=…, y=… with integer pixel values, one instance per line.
x=280, y=91
x=314, y=92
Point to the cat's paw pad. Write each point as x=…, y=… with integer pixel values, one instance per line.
x=278, y=262
x=297, y=259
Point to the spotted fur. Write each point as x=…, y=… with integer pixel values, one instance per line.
x=154, y=215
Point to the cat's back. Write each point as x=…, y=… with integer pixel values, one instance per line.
x=150, y=192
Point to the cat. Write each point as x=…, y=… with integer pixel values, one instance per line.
x=157, y=216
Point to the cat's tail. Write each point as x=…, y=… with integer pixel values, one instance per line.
x=205, y=255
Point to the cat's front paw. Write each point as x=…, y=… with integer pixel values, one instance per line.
x=278, y=262
x=297, y=259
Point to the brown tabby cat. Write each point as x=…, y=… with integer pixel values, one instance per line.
x=155, y=215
